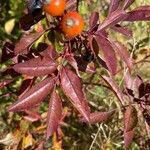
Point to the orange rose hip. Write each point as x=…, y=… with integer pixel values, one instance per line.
x=54, y=7
x=72, y=24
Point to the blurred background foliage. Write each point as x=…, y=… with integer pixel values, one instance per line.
x=16, y=133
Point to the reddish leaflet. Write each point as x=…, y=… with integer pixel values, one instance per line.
x=62, y=69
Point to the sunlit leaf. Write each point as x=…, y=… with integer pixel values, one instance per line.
x=99, y=117
x=114, y=87
x=9, y=26
x=33, y=96
x=93, y=20
x=139, y=14
x=72, y=87
x=25, y=43
x=36, y=67
x=123, y=30
x=123, y=53
x=113, y=5
x=112, y=19
x=130, y=118
x=54, y=114
x=128, y=138
x=108, y=52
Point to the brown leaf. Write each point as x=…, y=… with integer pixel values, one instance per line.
x=130, y=118
x=72, y=87
x=128, y=138
x=33, y=96
x=36, y=67
x=98, y=117
x=54, y=114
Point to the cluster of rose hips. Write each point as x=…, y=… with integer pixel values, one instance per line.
x=71, y=24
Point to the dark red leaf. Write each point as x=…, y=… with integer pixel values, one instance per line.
x=54, y=114
x=25, y=86
x=29, y=20
x=4, y=83
x=94, y=18
x=33, y=96
x=129, y=85
x=11, y=72
x=128, y=138
x=95, y=49
x=50, y=52
x=93, y=45
x=79, y=64
x=141, y=90
x=7, y=51
x=71, y=60
x=136, y=84
x=123, y=53
x=130, y=118
x=112, y=19
x=23, y=46
x=108, y=52
x=147, y=88
x=114, y=87
x=146, y=115
x=72, y=87
x=123, y=30
x=114, y=4
x=36, y=67
x=141, y=13
x=99, y=117
x=83, y=65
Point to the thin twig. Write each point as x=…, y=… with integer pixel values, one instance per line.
x=95, y=138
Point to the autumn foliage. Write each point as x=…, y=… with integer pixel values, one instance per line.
x=51, y=64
